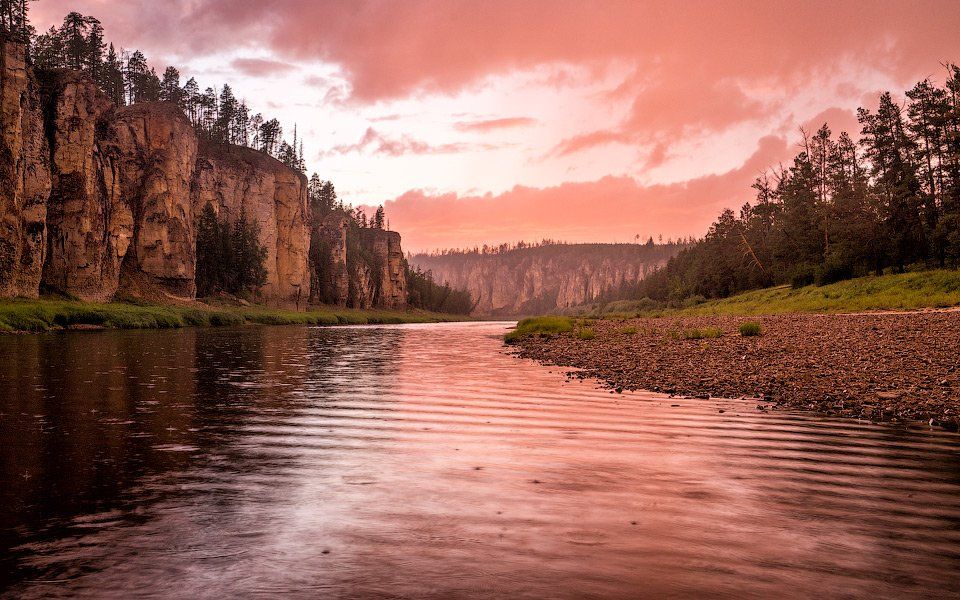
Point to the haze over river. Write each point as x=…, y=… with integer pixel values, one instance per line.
x=426, y=461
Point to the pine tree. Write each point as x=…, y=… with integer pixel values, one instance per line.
x=226, y=113
x=95, y=48
x=74, y=33
x=191, y=101
x=111, y=77
x=209, y=275
x=170, y=87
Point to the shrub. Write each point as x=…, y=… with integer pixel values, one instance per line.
x=539, y=326
x=700, y=334
x=691, y=301
x=629, y=330
x=585, y=333
x=750, y=329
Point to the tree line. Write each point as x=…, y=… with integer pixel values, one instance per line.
x=425, y=293
x=230, y=257
x=844, y=208
x=126, y=78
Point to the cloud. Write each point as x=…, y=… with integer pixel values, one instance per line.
x=261, y=67
x=373, y=142
x=492, y=124
x=394, y=49
x=610, y=208
x=585, y=141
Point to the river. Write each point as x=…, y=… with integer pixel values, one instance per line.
x=425, y=461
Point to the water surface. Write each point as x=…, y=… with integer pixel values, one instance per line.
x=425, y=462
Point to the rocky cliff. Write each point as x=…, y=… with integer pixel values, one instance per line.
x=535, y=280
x=235, y=179
x=24, y=175
x=354, y=266
x=98, y=201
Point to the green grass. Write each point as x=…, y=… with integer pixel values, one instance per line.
x=47, y=314
x=906, y=291
x=585, y=333
x=701, y=334
x=539, y=326
x=750, y=329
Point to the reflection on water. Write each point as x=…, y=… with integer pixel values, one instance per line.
x=422, y=461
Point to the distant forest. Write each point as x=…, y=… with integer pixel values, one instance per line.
x=844, y=208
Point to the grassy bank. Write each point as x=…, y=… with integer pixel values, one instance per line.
x=905, y=291
x=48, y=314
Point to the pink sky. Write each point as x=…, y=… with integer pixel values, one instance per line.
x=482, y=122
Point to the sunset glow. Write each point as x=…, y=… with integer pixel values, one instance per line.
x=484, y=122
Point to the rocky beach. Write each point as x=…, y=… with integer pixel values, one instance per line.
x=877, y=366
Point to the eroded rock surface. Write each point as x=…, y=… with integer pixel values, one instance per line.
x=24, y=176
x=235, y=179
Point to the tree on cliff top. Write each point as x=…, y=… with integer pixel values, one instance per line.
x=13, y=18
x=322, y=196
x=127, y=78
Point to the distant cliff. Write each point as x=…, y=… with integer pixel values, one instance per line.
x=99, y=201
x=540, y=279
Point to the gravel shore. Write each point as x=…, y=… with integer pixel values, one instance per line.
x=879, y=366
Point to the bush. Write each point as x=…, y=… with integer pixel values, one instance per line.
x=631, y=307
x=802, y=277
x=691, y=301
x=544, y=326
x=700, y=334
x=629, y=330
x=750, y=329
x=585, y=333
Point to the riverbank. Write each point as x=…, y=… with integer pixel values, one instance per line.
x=878, y=366
x=939, y=288
x=28, y=315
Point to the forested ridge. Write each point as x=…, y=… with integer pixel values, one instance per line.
x=531, y=278
x=889, y=201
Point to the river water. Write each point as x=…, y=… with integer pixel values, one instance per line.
x=427, y=462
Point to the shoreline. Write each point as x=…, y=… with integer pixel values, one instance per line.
x=881, y=366
x=29, y=316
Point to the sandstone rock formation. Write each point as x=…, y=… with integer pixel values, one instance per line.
x=89, y=225
x=329, y=276
x=390, y=284
x=235, y=179
x=98, y=201
x=541, y=279
x=24, y=176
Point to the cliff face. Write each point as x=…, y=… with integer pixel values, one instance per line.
x=98, y=201
x=24, y=176
x=389, y=278
x=235, y=179
x=356, y=267
x=89, y=226
x=545, y=278
x=329, y=277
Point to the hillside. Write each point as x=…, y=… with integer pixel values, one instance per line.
x=543, y=278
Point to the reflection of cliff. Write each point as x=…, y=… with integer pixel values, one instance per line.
x=98, y=201
x=544, y=278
